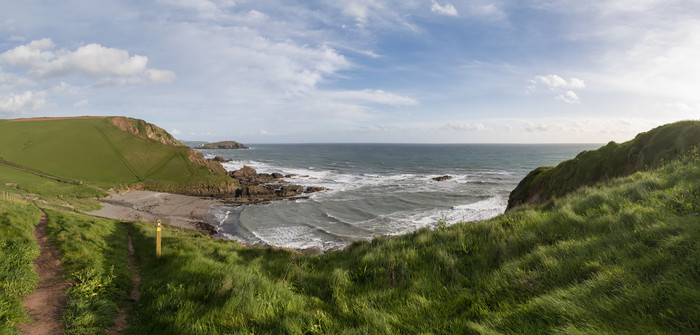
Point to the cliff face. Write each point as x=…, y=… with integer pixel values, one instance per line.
x=198, y=158
x=144, y=129
x=647, y=150
x=150, y=131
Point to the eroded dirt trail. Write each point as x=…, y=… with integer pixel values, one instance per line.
x=45, y=306
x=120, y=320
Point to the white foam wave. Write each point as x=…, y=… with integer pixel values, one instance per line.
x=296, y=237
x=481, y=210
x=336, y=181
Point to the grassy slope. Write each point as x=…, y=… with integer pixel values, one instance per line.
x=646, y=150
x=95, y=151
x=17, y=251
x=49, y=190
x=95, y=258
x=617, y=258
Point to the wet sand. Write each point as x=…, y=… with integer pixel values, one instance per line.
x=172, y=209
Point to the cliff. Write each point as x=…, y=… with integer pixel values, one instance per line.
x=144, y=129
x=646, y=151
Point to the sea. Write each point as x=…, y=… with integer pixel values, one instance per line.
x=377, y=189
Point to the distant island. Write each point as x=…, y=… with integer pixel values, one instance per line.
x=222, y=145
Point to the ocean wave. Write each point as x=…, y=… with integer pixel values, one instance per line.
x=336, y=181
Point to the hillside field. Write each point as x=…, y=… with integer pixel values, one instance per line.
x=94, y=151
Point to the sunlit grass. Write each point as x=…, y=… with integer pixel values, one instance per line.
x=95, y=260
x=17, y=251
x=617, y=258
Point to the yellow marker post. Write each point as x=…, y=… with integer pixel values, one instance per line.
x=158, y=240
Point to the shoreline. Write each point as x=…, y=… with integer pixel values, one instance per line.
x=182, y=211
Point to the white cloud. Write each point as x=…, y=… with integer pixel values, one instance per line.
x=558, y=84
x=360, y=9
x=66, y=88
x=464, y=126
x=535, y=127
x=569, y=97
x=175, y=132
x=81, y=104
x=373, y=96
x=554, y=81
x=447, y=9
x=160, y=76
x=576, y=83
x=206, y=9
x=29, y=54
x=24, y=102
x=92, y=60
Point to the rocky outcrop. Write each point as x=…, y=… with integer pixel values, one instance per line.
x=313, y=189
x=264, y=187
x=442, y=178
x=144, y=129
x=197, y=158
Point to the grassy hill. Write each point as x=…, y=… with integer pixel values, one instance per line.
x=106, y=151
x=647, y=150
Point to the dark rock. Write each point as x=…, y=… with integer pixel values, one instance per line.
x=290, y=190
x=290, y=176
x=220, y=159
x=245, y=174
x=442, y=178
x=254, y=188
x=312, y=189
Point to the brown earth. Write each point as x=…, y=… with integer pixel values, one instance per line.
x=54, y=118
x=120, y=320
x=45, y=306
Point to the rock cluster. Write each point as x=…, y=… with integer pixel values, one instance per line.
x=264, y=187
x=442, y=178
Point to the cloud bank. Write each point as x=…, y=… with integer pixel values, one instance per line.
x=92, y=60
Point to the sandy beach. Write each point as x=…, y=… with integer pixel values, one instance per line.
x=172, y=209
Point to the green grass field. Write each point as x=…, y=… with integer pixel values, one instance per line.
x=51, y=191
x=17, y=251
x=96, y=152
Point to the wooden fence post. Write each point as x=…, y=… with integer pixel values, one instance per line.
x=158, y=240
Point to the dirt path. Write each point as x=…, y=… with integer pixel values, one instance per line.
x=45, y=306
x=120, y=320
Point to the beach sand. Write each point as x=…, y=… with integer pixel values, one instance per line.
x=172, y=209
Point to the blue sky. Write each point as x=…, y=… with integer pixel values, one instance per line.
x=358, y=70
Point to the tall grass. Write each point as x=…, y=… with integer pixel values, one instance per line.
x=622, y=257
x=17, y=251
x=646, y=151
x=95, y=259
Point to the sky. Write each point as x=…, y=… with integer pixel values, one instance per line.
x=412, y=71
